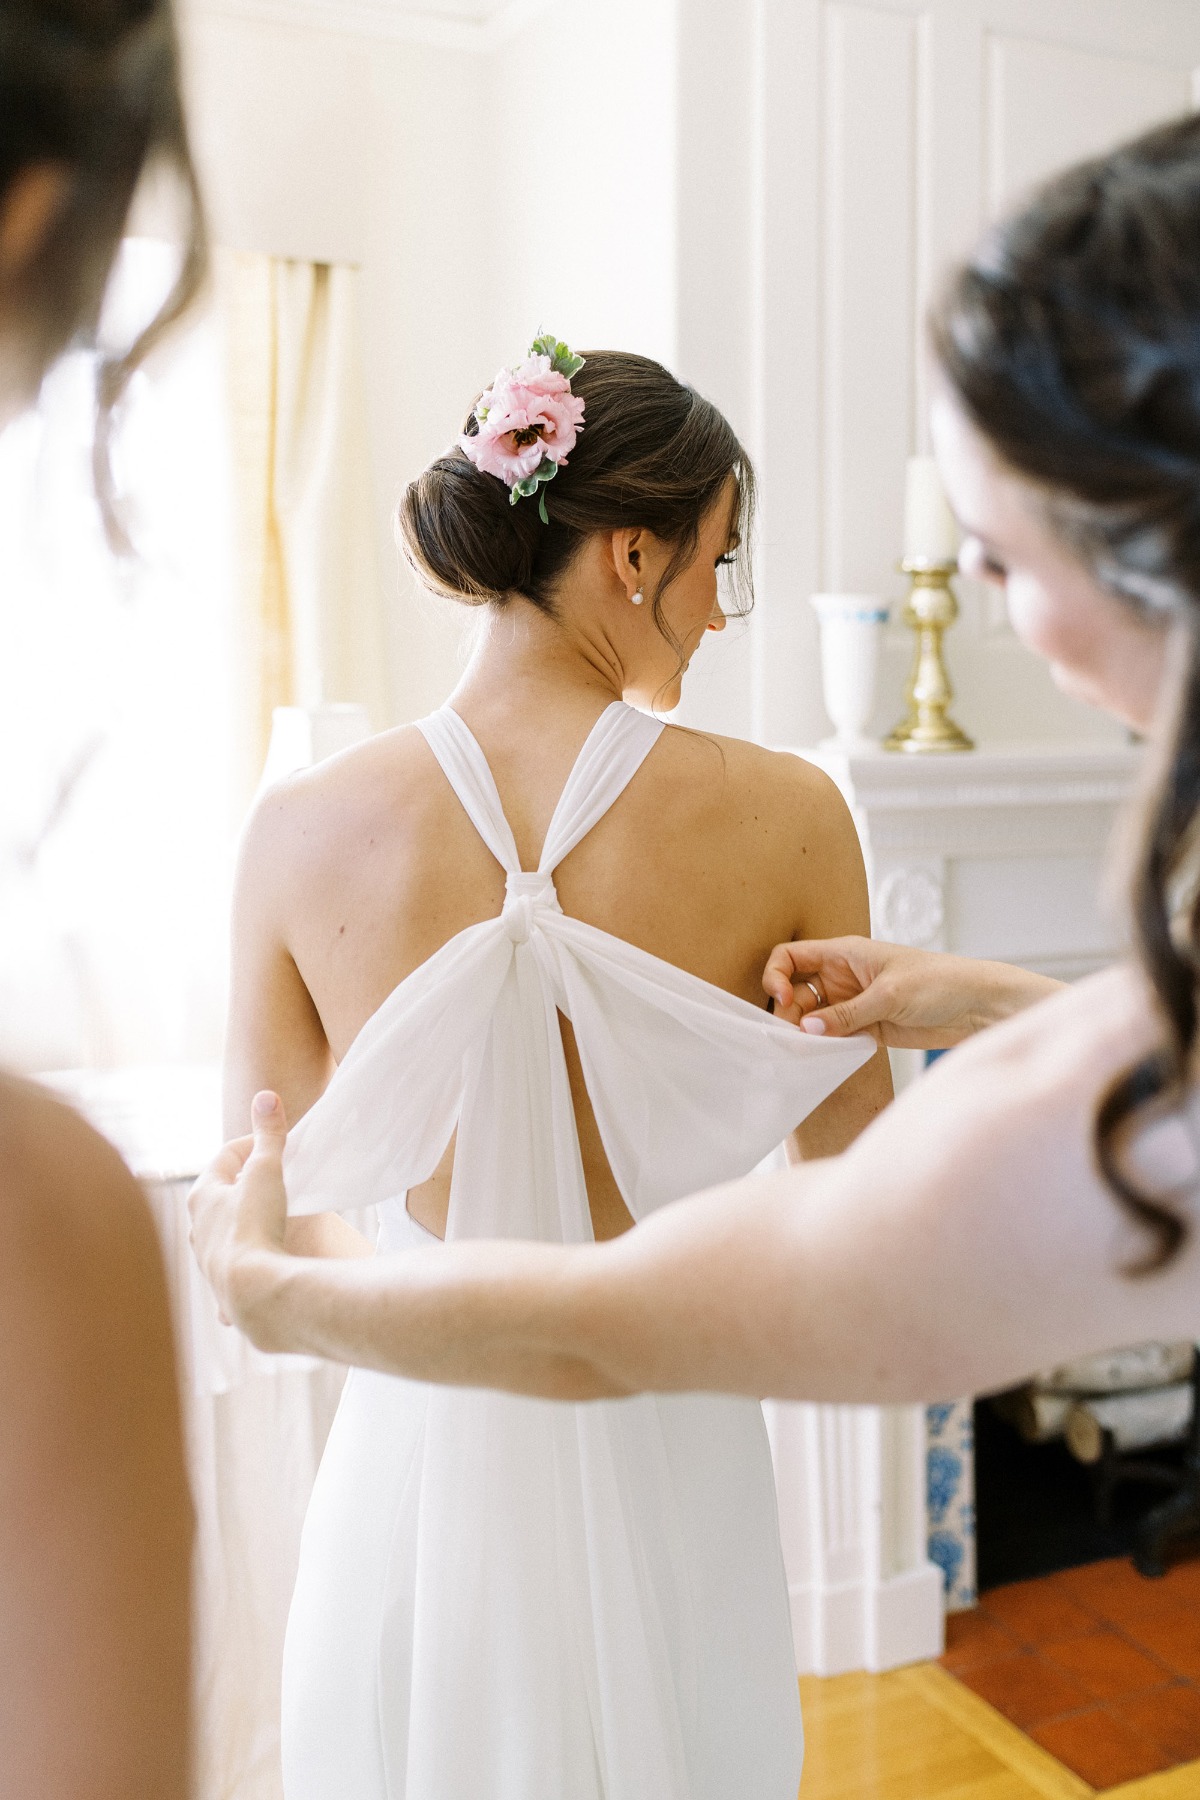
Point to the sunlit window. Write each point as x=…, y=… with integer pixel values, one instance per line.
x=116, y=812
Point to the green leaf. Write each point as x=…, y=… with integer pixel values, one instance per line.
x=543, y=515
x=528, y=485
x=562, y=357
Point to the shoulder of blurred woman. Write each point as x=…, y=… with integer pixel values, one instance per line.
x=84, y=1315
x=70, y=1211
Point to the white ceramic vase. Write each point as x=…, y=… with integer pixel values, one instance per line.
x=851, y=633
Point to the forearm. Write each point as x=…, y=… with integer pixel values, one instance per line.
x=326, y=1234
x=708, y=1294
x=726, y=1292
x=1000, y=990
x=504, y=1315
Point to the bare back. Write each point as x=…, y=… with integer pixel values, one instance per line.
x=356, y=873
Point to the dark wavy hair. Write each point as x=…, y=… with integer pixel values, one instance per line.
x=91, y=87
x=1072, y=340
x=653, y=453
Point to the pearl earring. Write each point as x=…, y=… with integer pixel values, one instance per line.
x=638, y=597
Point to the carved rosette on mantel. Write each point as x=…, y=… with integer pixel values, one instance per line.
x=999, y=854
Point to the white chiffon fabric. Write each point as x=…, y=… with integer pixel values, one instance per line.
x=512, y=1599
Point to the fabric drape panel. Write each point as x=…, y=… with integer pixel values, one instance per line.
x=311, y=621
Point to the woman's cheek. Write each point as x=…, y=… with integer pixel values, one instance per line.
x=1044, y=626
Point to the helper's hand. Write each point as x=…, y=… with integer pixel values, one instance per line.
x=239, y=1214
x=913, y=999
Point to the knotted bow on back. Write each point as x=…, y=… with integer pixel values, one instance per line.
x=546, y=1559
x=690, y=1085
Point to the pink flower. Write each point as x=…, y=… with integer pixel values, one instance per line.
x=528, y=413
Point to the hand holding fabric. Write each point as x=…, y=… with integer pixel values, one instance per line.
x=906, y=998
x=238, y=1210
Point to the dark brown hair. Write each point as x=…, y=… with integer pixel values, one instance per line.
x=92, y=87
x=652, y=453
x=1072, y=339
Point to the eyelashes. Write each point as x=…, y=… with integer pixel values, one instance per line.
x=981, y=563
x=727, y=561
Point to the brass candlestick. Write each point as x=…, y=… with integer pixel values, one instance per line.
x=930, y=611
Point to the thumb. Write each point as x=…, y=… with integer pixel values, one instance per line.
x=859, y=1013
x=269, y=1124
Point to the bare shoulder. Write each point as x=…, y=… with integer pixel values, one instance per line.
x=305, y=831
x=750, y=774
x=71, y=1214
x=52, y=1160
x=317, y=810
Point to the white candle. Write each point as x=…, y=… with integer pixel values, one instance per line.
x=930, y=533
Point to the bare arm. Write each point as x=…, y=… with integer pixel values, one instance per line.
x=833, y=900
x=274, y=1037
x=963, y=1241
x=910, y=999
x=95, y=1517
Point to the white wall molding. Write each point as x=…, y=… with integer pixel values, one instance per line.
x=477, y=26
x=850, y=1480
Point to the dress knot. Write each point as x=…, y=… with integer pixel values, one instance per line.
x=526, y=894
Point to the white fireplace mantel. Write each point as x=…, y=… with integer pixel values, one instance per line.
x=993, y=853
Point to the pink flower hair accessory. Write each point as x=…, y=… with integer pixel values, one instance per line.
x=526, y=423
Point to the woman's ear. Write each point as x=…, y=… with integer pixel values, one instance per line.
x=628, y=555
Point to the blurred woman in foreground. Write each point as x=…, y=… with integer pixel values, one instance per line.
x=95, y=1517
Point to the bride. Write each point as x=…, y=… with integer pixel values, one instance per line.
x=507, y=965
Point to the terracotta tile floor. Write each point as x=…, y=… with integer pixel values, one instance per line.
x=1097, y=1665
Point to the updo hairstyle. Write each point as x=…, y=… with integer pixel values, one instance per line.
x=1072, y=341
x=651, y=453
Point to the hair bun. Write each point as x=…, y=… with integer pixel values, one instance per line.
x=652, y=454
x=462, y=536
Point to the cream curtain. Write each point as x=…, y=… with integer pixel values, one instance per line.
x=311, y=619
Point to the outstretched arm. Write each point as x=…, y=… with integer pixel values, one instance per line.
x=962, y=1242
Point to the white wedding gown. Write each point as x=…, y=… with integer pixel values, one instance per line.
x=511, y=1599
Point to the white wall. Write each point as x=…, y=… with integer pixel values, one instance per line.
x=761, y=192
x=581, y=179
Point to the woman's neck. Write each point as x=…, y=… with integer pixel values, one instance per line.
x=522, y=655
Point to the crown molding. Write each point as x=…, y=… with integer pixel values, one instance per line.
x=490, y=24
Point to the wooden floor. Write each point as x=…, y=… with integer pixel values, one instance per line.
x=917, y=1734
